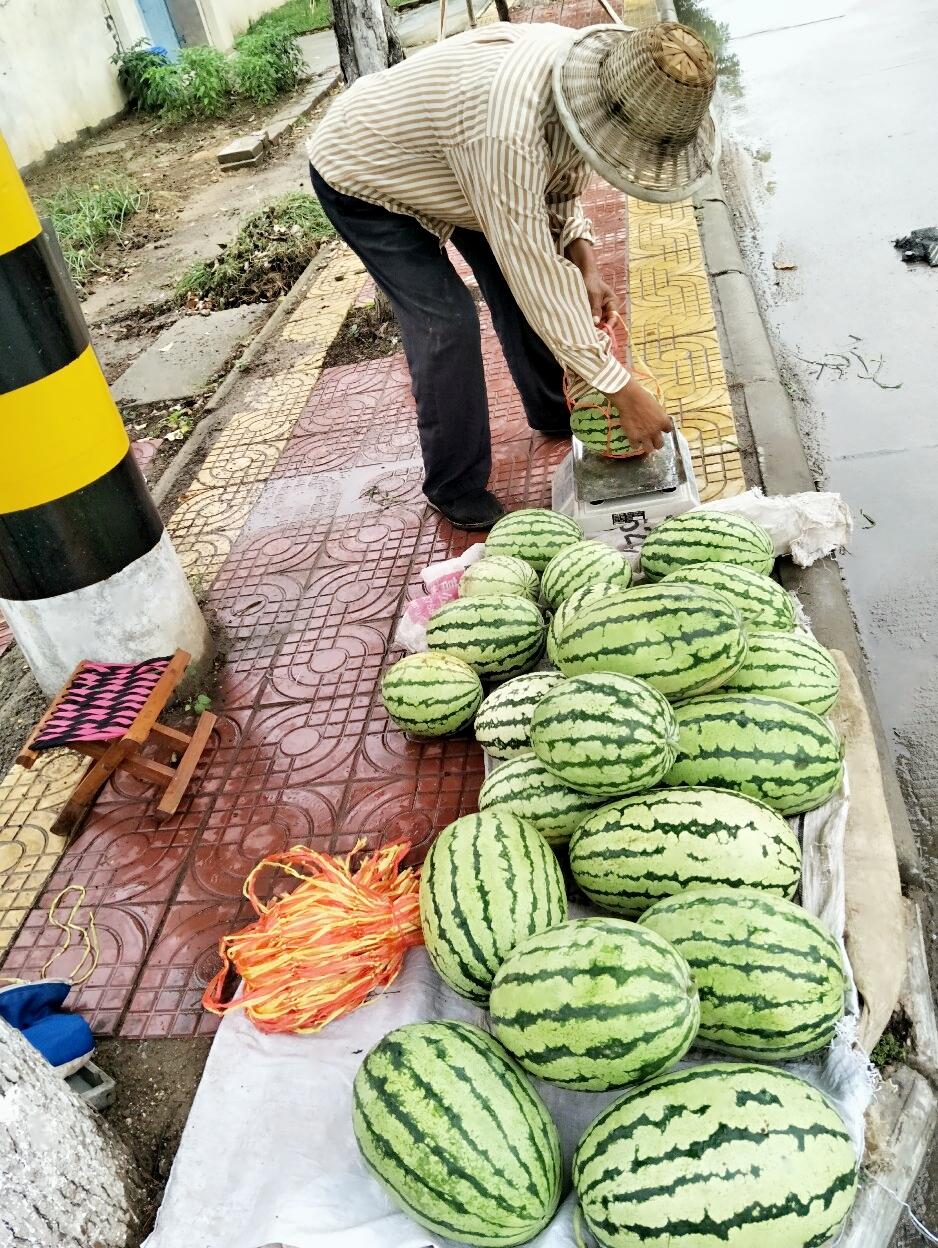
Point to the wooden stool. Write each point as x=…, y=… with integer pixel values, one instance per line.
x=70, y=722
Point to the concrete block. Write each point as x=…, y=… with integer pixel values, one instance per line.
x=782, y=461
x=750, y=352
x=249, y=149
x=719, y=238
x=183, y=359
x=277, y=129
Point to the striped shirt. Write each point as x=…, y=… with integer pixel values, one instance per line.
x=466, y=133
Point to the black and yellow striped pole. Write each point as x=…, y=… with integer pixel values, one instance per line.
x=87, y=570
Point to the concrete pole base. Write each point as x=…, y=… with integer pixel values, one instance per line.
x=145, y=610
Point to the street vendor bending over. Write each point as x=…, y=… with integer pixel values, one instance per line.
x=488, y=140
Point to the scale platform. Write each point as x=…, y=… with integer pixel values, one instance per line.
x=618, y=501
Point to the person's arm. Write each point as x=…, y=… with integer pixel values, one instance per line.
x=505, y=184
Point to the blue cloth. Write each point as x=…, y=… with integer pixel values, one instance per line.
x=35, y=1010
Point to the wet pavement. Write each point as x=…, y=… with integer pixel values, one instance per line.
x=829, y=120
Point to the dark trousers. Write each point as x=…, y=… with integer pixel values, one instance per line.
x=440, y=331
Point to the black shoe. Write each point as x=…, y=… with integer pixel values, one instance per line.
x=476, y=510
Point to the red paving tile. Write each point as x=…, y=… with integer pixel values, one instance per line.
x=306, y=605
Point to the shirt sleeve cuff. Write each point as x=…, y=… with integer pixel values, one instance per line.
x=574, y=228
x=611, y=377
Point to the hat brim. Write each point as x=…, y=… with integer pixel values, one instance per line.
x=660, y=172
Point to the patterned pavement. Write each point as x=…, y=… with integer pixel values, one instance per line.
x=308, y=525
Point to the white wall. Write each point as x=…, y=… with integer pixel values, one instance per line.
x=226, y=19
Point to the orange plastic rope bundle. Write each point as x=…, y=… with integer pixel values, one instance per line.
x=320, y=951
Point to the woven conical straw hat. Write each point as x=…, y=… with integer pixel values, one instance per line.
x=637, y=105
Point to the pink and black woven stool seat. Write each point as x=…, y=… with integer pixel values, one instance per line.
x=101, y=703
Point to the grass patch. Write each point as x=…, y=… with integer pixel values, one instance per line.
x=87, y=218
x=267, y=255
x=302, y=17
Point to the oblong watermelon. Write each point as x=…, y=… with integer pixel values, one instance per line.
x=452, y=1129
x=500, y=636
x=566, y=612
x=770, y=974
x=706, y=536
x=636, y=850
x=774, y=751
x=534, y=534
x=762, y=602
x=682, y=639
x=489, y=881
x=593, y=1004
x=431, y=694
x=790, y=666
x=583, y=565
x=529, y=790
x=718, y=1156
x=497, y=576
x=503, y=722
x=605, y=734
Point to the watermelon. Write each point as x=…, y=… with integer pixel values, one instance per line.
x=594, y=1004
x=489, y=880
x=566, y=612
x=452, y=1129
x=706, y=536
x=503, y=721
x=639, y=849
x=770, y=974
x=597, y=430
x=774, y=751
x=682, y=639
x=495, y=636
x=605, y=734
x=524, y=786
x=725, y=1155
x=431, y=694
x=762, y=602
x=497, y=576
x=790, y=666
x=533, y=534
x=581, y=566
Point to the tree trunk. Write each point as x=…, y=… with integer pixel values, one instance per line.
x=366, y=36
x=66, y=1179
x=501, y=8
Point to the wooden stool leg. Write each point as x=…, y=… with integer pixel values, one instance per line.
x=187, y=764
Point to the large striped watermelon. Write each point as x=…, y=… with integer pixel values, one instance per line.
x=774, y=751
x=503, y=722
x=566, y=612
x=639, y=849
x=524, y=786
x=453, y=1130
x=489, y=881
x=706, y=536
x=495, y=636
x=682, y=639
x=605, y=734
x=583, y=565
x=770, y=974
x=534, y=534
x=762, y=602
x=790, y=666
x=718, y=1156
x=593, y=1004
x=595, y=421
x=497, y=576
x=431, y=694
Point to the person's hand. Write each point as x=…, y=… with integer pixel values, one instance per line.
x=604, y=302
x=644, y=421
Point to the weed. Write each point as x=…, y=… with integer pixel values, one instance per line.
x=298, y=17
x=202, y=702
x=265, y=257
x=266, y=64
x=177, y=425
x=135, y=65
x=197, y=85
x=86, y=218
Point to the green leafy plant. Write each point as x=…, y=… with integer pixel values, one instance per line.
x=202, y=702
x=264, y=259
x=266, y=64
x=197, y=85
x=298, y=17
x=86, y=218
x=177, y=425
x=135, y=68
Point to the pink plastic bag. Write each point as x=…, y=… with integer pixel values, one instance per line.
x=441, y=583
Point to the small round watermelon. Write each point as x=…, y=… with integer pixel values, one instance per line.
x=524, y=786
x=605, y=734
x=489, y=880
x=534, y=534
x=498, y=576
x=706, y=536
x=593, y=1004
x=501, y=636
x=431, y=694
x=503, y=722
x=451, y=1127
x=762, y=602
x=595, y=421
x=583, y=565
x=790, y=666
